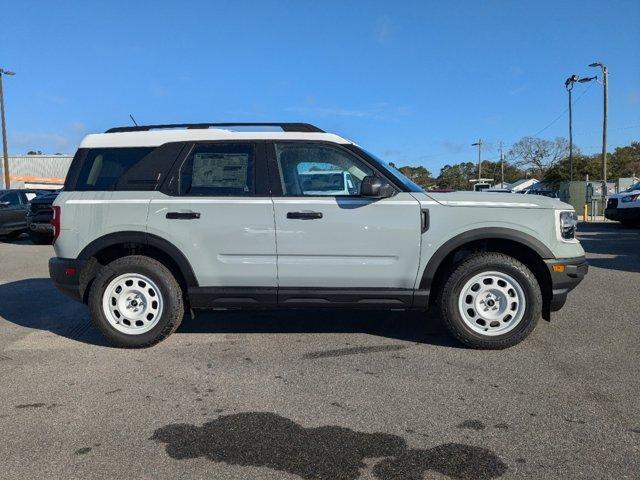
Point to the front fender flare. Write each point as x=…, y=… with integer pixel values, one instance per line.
x=486, y=233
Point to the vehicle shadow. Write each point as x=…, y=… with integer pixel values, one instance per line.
x=418, y=327
x=611, y=246
x=35, y=303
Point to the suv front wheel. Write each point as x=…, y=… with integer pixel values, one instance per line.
x=135, y=302
x=491, y=301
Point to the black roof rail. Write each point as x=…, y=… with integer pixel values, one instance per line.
x=286, y=127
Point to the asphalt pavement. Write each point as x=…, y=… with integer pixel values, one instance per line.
x=322, y=395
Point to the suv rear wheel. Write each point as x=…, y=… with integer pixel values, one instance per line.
x=135, y=302
x=491, y=301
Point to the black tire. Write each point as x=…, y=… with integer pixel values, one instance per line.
x=40, y=238
x=15, y=235
x=484, y=262
x=172, y=296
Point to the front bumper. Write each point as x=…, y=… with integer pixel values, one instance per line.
x=67, y=275
x=566, y=274
x=622, y=214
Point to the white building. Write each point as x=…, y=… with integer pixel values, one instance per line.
x=37, y=171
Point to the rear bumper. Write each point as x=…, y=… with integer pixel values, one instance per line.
x=67, y=274
x=622, y=214
x=562, y=282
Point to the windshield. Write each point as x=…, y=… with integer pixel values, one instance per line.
x=635, y=186
x=411, y=186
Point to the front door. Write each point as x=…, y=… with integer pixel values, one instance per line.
x=333, y=244
x=13, y=211
x=221, y=218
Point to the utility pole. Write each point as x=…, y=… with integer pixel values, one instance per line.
x=605, y=83
x=501, y=165
x=5, y=151
x=479, y=145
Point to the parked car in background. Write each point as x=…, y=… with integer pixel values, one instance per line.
x=326, y=182
x=39, y=216
x=498, y=190
x=13, y=210
x=624, y=207
x=544, y=193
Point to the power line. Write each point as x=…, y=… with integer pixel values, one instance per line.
x=564, y=111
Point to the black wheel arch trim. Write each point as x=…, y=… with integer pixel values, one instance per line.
x=486, y=233
x=118, y=238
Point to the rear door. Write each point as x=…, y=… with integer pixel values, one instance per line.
x=335, y=247
x=219, y=214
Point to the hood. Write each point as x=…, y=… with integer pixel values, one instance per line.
x=46, y=198
x=626, y=193
x=496, y=200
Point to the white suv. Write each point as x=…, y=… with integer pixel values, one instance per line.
x=158, y=220
x=624, y=207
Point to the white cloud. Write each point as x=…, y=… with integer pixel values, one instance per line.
x=378, y=111
x=64, y=140
x=384, y=30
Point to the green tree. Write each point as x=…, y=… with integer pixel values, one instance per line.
x=457, y=176
x=419, y=175
x=624, y=161
x=493, y=170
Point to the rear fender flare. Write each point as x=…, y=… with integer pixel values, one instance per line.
x=120, y=238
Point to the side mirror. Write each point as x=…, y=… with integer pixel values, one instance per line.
x=4, y=204
x=376, y=187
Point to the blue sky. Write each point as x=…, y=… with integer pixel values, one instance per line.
x=415, y=82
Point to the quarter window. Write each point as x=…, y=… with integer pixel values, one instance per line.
x=319, y=170
x=103, y=167
x=219, y=170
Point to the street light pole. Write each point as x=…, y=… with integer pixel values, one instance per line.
x=5, y=152
x=605, y=83
x=568, y=84
x=479, y=145
x=501, y=165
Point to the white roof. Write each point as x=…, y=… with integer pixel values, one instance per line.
x=155, y=138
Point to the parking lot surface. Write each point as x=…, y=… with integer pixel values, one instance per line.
x=322, y=395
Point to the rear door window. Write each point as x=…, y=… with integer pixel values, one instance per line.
x=103, y=167
x=215, y=169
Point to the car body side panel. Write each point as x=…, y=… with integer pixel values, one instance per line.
x=87, y=216
x=449, y=221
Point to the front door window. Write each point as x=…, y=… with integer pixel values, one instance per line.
x=319, y=170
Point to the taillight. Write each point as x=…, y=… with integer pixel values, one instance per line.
x=55, y=221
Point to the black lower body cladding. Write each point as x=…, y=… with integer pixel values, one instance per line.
x=566, y=274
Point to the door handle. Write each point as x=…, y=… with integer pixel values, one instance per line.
x=182, y=215
x=304, y=215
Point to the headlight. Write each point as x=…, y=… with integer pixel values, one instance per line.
x=568, y=224
x=630, y=198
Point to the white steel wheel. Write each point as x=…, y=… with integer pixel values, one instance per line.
x=132, y=303
x=492, y=303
